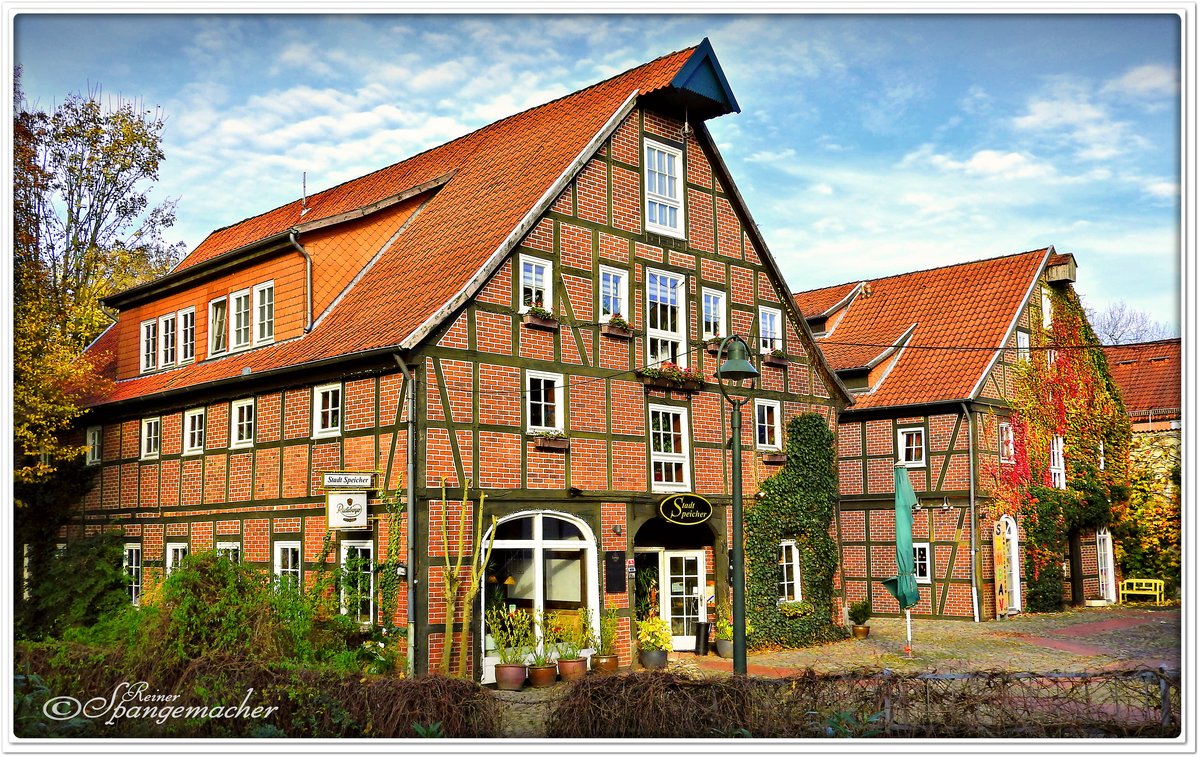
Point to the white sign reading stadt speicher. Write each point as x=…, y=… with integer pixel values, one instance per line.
x=349, y=480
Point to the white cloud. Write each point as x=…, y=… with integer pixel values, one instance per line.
x=305, y=57
x=821, y=189
x=1068, y=108
x=993, y=164
x=1149, y=81
x=1166, y=189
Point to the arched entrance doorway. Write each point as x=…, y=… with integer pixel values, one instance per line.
x=674, y=576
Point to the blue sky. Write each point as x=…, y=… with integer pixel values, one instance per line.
x=867, y=145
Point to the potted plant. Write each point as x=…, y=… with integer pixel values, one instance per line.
x=551, y=441
x=605, y=661
x=654, y=641
x=513, y=635
x=723, y=631
x=668, y=375
x=776, y=357
x=567, y=636
x=712, y=345
x=860, y=613
x=617, y=327
x=538, y=317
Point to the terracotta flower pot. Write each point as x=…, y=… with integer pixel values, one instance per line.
x=541, y=676
x=725, y=648
x=653, y=658
x=572, y=670
x=861, y=632
x=510, y=677
x=604, y=663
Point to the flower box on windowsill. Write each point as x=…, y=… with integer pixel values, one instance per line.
x=656, y=382
x=774, y=458
x=535, y=321
x=551, y=443
x=616, y=332
x=776, y=360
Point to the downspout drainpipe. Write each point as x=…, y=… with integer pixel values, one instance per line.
x=410, y=499
x=308, y=314
x=974, y=521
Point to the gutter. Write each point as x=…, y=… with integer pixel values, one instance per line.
x=410, y=498
x=974, y=520
x=308, y=310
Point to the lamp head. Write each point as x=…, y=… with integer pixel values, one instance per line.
x=736, y=366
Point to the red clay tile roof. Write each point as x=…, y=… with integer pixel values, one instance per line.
x=816, y=302
x=1149, y=375
x=969, y=305
x=445, y=245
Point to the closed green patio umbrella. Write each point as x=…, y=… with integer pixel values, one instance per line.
x=903, y=586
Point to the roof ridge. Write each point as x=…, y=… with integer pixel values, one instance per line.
x=1164, y=340
x=472, y=133
x=1041, y=250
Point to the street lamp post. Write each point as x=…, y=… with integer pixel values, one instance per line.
x=737, y=368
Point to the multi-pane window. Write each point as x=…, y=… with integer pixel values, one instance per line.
x=535, y=284
x=218, y=325
x=612, y=293
x=230, y=550
x=770, y=338
x=94, y=436
x=668, y=448
x=1047, y=310
x=241, y=423
x=149, y=345
x=789, y=572
x=187, y=335
x=288, y=570
x=166, y=340
x=151, y=437
x=1007, y=450
x=713, y=325
x=766, y=424
x=175, y=553
x=193, y=431
x=327, y=410
x=922, y=566
x=1058, y=463
x=664, y=191
x=665, y=318
x=358, y=580
x=241, y=319
x=264, y=313
x=543, y=401
x=911, y=443
x=132, y=564
x=1023, y=346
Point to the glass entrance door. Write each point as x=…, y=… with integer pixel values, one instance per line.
x=682, y=595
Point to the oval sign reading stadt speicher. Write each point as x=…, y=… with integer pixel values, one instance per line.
x=685, y=509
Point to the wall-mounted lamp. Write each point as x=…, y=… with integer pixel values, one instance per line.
x=945, y=503
x=574, y=491
x=617, y=528
x=917, y=506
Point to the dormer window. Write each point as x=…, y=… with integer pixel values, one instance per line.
x=664, y=189
x=241, y=319
x=166, y=339
x=264, y=313
x=149, y=345
x=218, y=322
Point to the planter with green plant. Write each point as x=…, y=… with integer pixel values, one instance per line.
x=654, y=642
x=777, y=358
x=568, y=636
x=551, y=441
x=860, y=613
x=514, y=639
x=618, y=328
x=605, y=660
x=723, y=632
x=668, y=375
x=537, y=317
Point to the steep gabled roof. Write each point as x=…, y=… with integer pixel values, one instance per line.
x=1149, y=375
x=962, y=314
x=467, y=226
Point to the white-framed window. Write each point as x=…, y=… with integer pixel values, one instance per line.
x=922, y=562
x=614, y=299
x=193, y=431
x=1007, y=450
x=789, y=572
x=669, y=449
x=132, y=563
x=175, y=553
x=264, y=313
x=1051, y=356
x=666, y=318
x=537, y=288
x=93, y=438
x=1023, y=346
x=1100, y=455
x=241, y=423
x=358, y=580
x=543, y=401
x=911, y=444
x=766, y=425
x=151, y=437
x=664, y=189
x=149, y=345
x=167, y=340
x=288, y=569
x=713, y=323
x=770, y=334
x=1058, y=463
x=1047, y=310
x=327, y=410
x=187, y=335
x=230, y=550
x=218, y=326
x=240, y=331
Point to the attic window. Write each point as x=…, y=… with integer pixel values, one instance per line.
x=536, y=289
x=664, y=192
x=149, y=345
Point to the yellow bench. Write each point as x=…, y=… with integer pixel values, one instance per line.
x=1151, y=586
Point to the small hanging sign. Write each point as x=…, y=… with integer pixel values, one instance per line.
x=346, y=509
x=348, y=480
x=685, y=509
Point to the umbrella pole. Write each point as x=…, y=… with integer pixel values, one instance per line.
x=908, y=626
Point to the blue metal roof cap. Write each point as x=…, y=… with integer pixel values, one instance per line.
x=703, y=76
